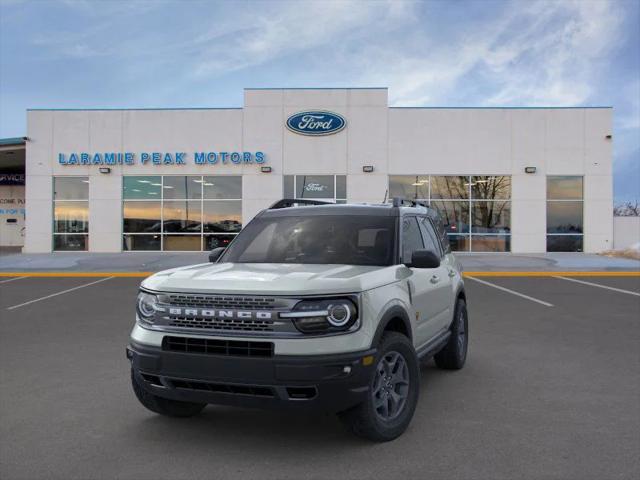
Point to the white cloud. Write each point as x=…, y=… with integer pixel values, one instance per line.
x=537, y=53
x=263, y=35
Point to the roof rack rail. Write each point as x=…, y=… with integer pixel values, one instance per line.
x=400, y=202
x=297, y=202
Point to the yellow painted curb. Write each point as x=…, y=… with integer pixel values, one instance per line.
x=76, y=274
x=466, y=274
x=552, y=274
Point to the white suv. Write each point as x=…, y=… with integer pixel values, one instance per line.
x=312, y=306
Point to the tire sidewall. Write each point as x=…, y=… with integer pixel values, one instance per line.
x=461, y=317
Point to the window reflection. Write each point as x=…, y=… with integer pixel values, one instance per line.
x=181, y=216
x=459, y=243
x=222, y=187
x=64, y=243
x=182, y=243
x=171, y=212
x=490, y=187
x=71, y=188
x=564, y=243
x=287, y=186
x=453, y=187
x=491, y=243
x=412, y=187
x=455, y=215
x=141, y=217
x=491, y=217
x=70, y=213
x=564, y=188
x=215, y=241
x=182, y=187
x=564, y=217
x=142, y=187
x=140, y=242
x=222, y=216
x=71, y=217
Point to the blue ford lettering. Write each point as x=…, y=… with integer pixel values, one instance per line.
x=316, y=123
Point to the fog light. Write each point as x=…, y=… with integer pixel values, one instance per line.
x=368, y=360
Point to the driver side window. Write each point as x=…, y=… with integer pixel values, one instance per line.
x=411, y=238
x=430, y=241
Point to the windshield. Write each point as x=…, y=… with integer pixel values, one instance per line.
x=321, y=239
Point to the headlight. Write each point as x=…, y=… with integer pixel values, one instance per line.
x=324, y=315
x=146, y=306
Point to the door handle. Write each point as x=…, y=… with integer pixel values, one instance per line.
x=435, y=279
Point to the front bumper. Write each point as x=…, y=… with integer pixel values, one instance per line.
x=317, y=382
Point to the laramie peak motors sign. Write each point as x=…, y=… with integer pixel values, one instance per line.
x=317, y=122
x=160, y=158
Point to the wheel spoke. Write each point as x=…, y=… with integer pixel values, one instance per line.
x=390, y=387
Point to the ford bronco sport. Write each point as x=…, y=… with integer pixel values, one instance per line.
x=317, y=306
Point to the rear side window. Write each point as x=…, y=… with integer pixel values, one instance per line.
x=441, y=232
x=430, y=240
x=411, y=238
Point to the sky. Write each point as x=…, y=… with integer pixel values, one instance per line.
x=135, y=54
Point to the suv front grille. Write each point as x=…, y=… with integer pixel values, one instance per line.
x=222, y=301
x=218, y=347
x=224, y=324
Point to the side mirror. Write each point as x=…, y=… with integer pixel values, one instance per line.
x=214, y=254
x=424, y=259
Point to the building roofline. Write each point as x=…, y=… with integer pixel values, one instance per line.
x=7, y=142
x=504, y=108
x=110, y=109
x=316, y=88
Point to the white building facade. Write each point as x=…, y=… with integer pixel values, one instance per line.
x=504, y=179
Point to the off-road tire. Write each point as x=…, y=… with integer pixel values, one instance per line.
x=454, y=353
x=164, y=406
x=364, y=420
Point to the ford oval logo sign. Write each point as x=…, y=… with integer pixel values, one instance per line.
x=316, y=122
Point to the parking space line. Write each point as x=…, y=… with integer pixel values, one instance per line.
x=629, y=292
x=58, y=293
x=601, y=273
x=12, y=279
x=77, y=274
x=513, y=292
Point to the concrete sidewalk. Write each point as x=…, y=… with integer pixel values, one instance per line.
x=155, y=261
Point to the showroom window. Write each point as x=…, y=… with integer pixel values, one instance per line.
x=564, y=214
x=180, y=213
x=70, y=213
x=476, y=209
x=316, y=187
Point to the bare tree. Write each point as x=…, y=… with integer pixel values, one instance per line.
x=627, y=209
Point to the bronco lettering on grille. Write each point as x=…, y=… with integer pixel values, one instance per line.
x=212, y=313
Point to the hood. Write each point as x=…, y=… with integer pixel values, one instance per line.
x=272, y=278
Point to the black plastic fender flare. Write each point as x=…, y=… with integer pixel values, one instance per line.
x=395, y=311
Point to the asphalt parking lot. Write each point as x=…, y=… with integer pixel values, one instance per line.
x=551, y=389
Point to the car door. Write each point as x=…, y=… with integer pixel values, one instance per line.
x=425, y=284
x=444, y=284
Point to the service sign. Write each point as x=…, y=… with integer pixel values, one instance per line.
x=11, y=178
x=316, y=122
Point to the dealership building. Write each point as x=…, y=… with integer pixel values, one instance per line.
x=504, y=179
